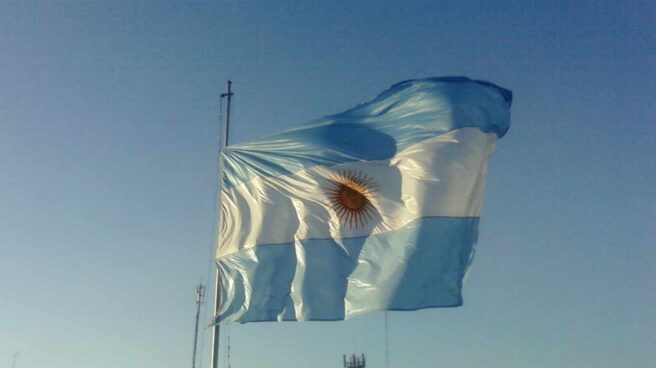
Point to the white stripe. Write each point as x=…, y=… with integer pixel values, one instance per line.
x=441, y=176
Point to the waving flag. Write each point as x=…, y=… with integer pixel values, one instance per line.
x=376, y=208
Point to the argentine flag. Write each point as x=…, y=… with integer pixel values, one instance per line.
x=376, y=208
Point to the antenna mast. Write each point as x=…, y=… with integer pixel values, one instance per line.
x=223, y=142
x=200, y=293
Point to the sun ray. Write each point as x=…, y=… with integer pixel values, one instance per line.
x=350, y=194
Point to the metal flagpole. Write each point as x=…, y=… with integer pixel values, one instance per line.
x=386, y=340
x=217, y=289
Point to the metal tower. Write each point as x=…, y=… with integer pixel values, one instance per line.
x=200, y=293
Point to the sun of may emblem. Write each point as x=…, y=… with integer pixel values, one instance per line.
x=350, y=194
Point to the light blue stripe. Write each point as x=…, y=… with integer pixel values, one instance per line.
x=419, y=266
x=405, y=114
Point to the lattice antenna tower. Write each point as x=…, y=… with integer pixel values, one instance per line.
x=200, y=294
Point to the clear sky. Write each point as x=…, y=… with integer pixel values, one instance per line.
x=108, y=142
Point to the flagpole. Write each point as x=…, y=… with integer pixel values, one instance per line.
x=223, y=142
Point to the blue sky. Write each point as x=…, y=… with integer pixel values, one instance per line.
x=108, y=143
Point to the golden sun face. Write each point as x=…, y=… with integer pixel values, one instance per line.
x=350, y=194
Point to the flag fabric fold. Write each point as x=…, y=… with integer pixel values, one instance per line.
x=375, y=208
